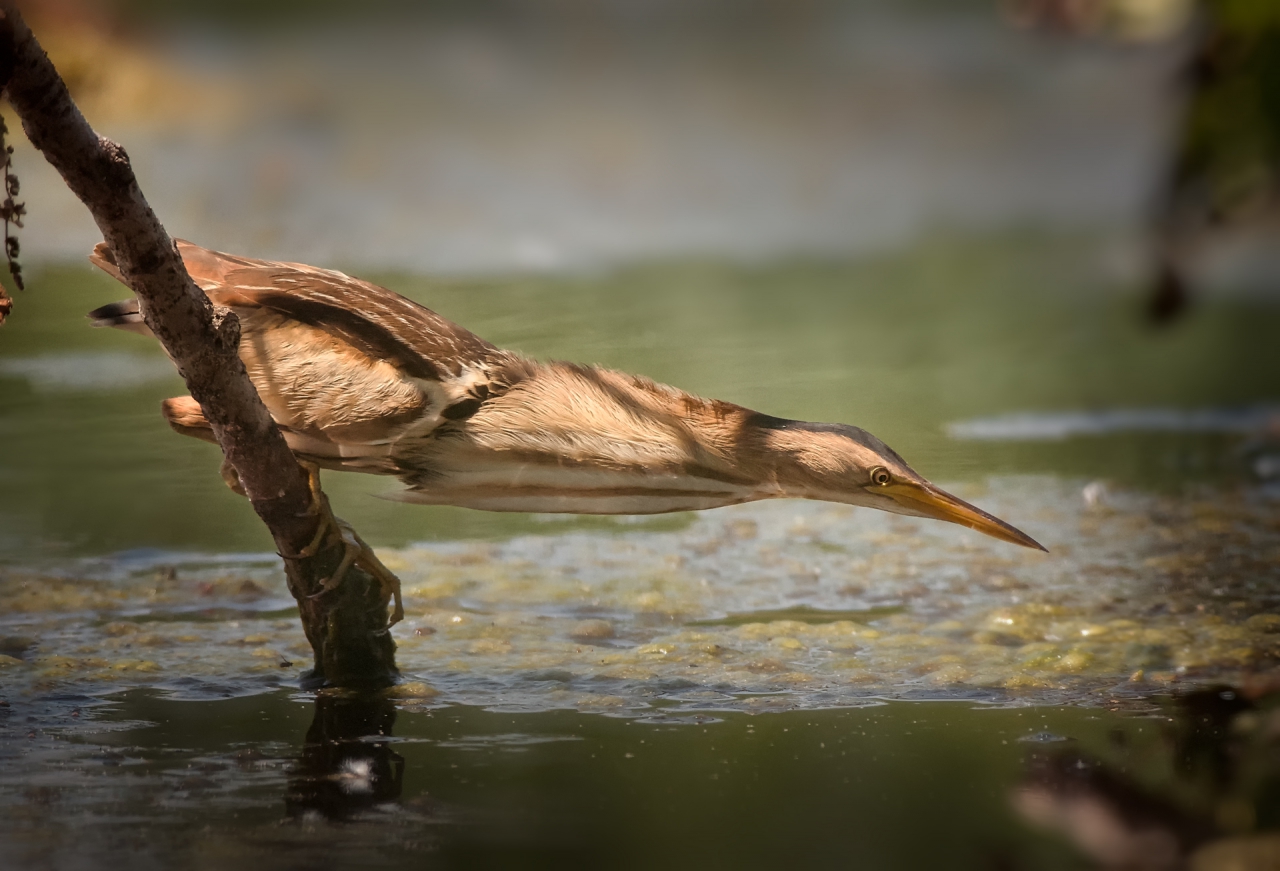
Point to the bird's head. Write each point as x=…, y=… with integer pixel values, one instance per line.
x=839, y=463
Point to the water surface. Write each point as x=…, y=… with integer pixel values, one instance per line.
x=779, y=682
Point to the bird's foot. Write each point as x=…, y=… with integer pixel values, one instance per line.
x=355, y=551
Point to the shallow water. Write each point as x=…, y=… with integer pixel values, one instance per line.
x=755, y=608
x=279, y=780
x=625, y=691
x=286, y=780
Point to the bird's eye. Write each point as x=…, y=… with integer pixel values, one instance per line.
x=880, y=476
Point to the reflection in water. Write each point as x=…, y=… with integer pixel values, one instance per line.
x=1104, y=813
x=1212, y=802
x=344, y=770
x=1224, y=169
x=146, y=779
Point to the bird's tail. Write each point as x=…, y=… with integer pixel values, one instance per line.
x=208, y=269
x=116, y=314
x=123, y=315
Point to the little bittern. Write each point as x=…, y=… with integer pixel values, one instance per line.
x=363, y=379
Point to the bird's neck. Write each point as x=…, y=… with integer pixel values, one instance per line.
x=631, y=420
x=788, y=458
x=594, y=441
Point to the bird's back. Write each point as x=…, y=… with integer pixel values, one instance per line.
x=346, y=367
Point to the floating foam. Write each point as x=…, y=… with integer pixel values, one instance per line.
x=1053, y=426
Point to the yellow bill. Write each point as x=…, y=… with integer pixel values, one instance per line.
x=926, y=500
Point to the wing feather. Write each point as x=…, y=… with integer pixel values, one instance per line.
x=347, y=368
x=374, y=320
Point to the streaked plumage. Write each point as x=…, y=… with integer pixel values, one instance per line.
x=362, y=379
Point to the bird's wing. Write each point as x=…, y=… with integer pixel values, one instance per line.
x=337, y=359
x=370, y=318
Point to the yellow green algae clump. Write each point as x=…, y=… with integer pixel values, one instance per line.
x=769, y=605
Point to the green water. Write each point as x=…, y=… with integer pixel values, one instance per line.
x=689, y=691
x=897, y=786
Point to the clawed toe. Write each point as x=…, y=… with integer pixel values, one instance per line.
x=355, y=551
x=369, y=561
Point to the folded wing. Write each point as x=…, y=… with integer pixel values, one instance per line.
x=346, y=367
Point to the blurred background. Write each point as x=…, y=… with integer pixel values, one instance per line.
x=1031, y=244
x=522, y=136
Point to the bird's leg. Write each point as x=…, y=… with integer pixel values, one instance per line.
x=320, y=507
x=355, y=551
x=360, y=554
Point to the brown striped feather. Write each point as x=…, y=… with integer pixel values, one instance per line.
x=362, y=378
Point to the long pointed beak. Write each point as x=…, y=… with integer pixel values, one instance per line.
x=926, y=500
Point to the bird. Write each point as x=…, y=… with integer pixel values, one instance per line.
x=359, y=378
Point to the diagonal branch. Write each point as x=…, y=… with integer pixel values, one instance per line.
x=203, y=341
